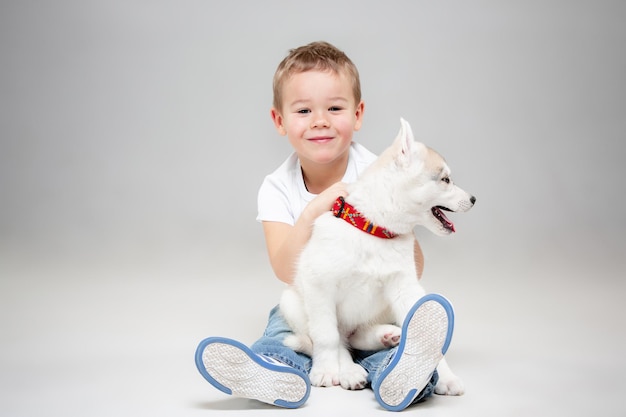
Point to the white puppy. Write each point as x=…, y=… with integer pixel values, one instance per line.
x=352, y=289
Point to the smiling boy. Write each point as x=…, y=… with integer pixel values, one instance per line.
x=318, y=106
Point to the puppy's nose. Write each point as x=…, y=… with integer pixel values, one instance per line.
x=473, y=200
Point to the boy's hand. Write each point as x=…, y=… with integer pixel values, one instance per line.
x=325, y=200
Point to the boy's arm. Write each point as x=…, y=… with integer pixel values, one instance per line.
x=285, y=242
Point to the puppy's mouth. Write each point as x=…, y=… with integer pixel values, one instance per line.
x=438, y=213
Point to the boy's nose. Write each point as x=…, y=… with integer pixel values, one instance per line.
x=320, y=122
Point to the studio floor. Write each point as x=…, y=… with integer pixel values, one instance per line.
x=114, y=337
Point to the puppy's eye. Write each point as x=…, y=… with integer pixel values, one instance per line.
x=446, y=180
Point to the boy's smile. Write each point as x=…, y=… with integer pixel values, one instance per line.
x=321, y=139
x=319, y=117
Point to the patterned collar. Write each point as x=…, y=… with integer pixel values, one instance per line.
x=343, y=210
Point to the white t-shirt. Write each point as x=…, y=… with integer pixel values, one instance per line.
x=283, y=195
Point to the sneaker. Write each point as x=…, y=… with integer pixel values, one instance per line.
x=234, y=369
x=426, y=335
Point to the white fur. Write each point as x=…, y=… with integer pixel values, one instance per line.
x=352, y=289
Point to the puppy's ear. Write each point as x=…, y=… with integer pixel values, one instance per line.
x=408, y=148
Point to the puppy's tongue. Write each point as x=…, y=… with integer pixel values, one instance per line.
x=447, y=224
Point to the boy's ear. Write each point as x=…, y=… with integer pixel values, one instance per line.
x=277, y=118
x=360, y=108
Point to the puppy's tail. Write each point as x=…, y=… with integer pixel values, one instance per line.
x=299, y=343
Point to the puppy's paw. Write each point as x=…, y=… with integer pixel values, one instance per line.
x=353, y=377
x=324, y=376
x=390, y=335
x=450, y=385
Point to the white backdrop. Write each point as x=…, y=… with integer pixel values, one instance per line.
x=134, y=136
x=135, y=122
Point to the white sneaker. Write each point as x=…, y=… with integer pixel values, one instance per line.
x=234, y=369
x=426, y=335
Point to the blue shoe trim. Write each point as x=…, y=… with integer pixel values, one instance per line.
x=280, y=368
x=412, y=394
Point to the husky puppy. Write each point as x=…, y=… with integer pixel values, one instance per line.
x=352, y=289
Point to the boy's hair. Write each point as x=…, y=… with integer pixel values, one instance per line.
x=320, y=56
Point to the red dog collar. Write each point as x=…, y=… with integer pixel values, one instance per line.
x=343, y=210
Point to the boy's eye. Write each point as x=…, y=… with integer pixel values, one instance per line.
x=304, y=111
x=335, y=108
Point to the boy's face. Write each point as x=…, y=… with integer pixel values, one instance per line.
x=319, y=116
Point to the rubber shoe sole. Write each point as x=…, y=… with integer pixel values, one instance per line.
x=426, y=335
x=234, y=369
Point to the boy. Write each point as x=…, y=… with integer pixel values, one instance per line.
x=317, y=105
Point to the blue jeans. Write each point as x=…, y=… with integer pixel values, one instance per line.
x=374, y=362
